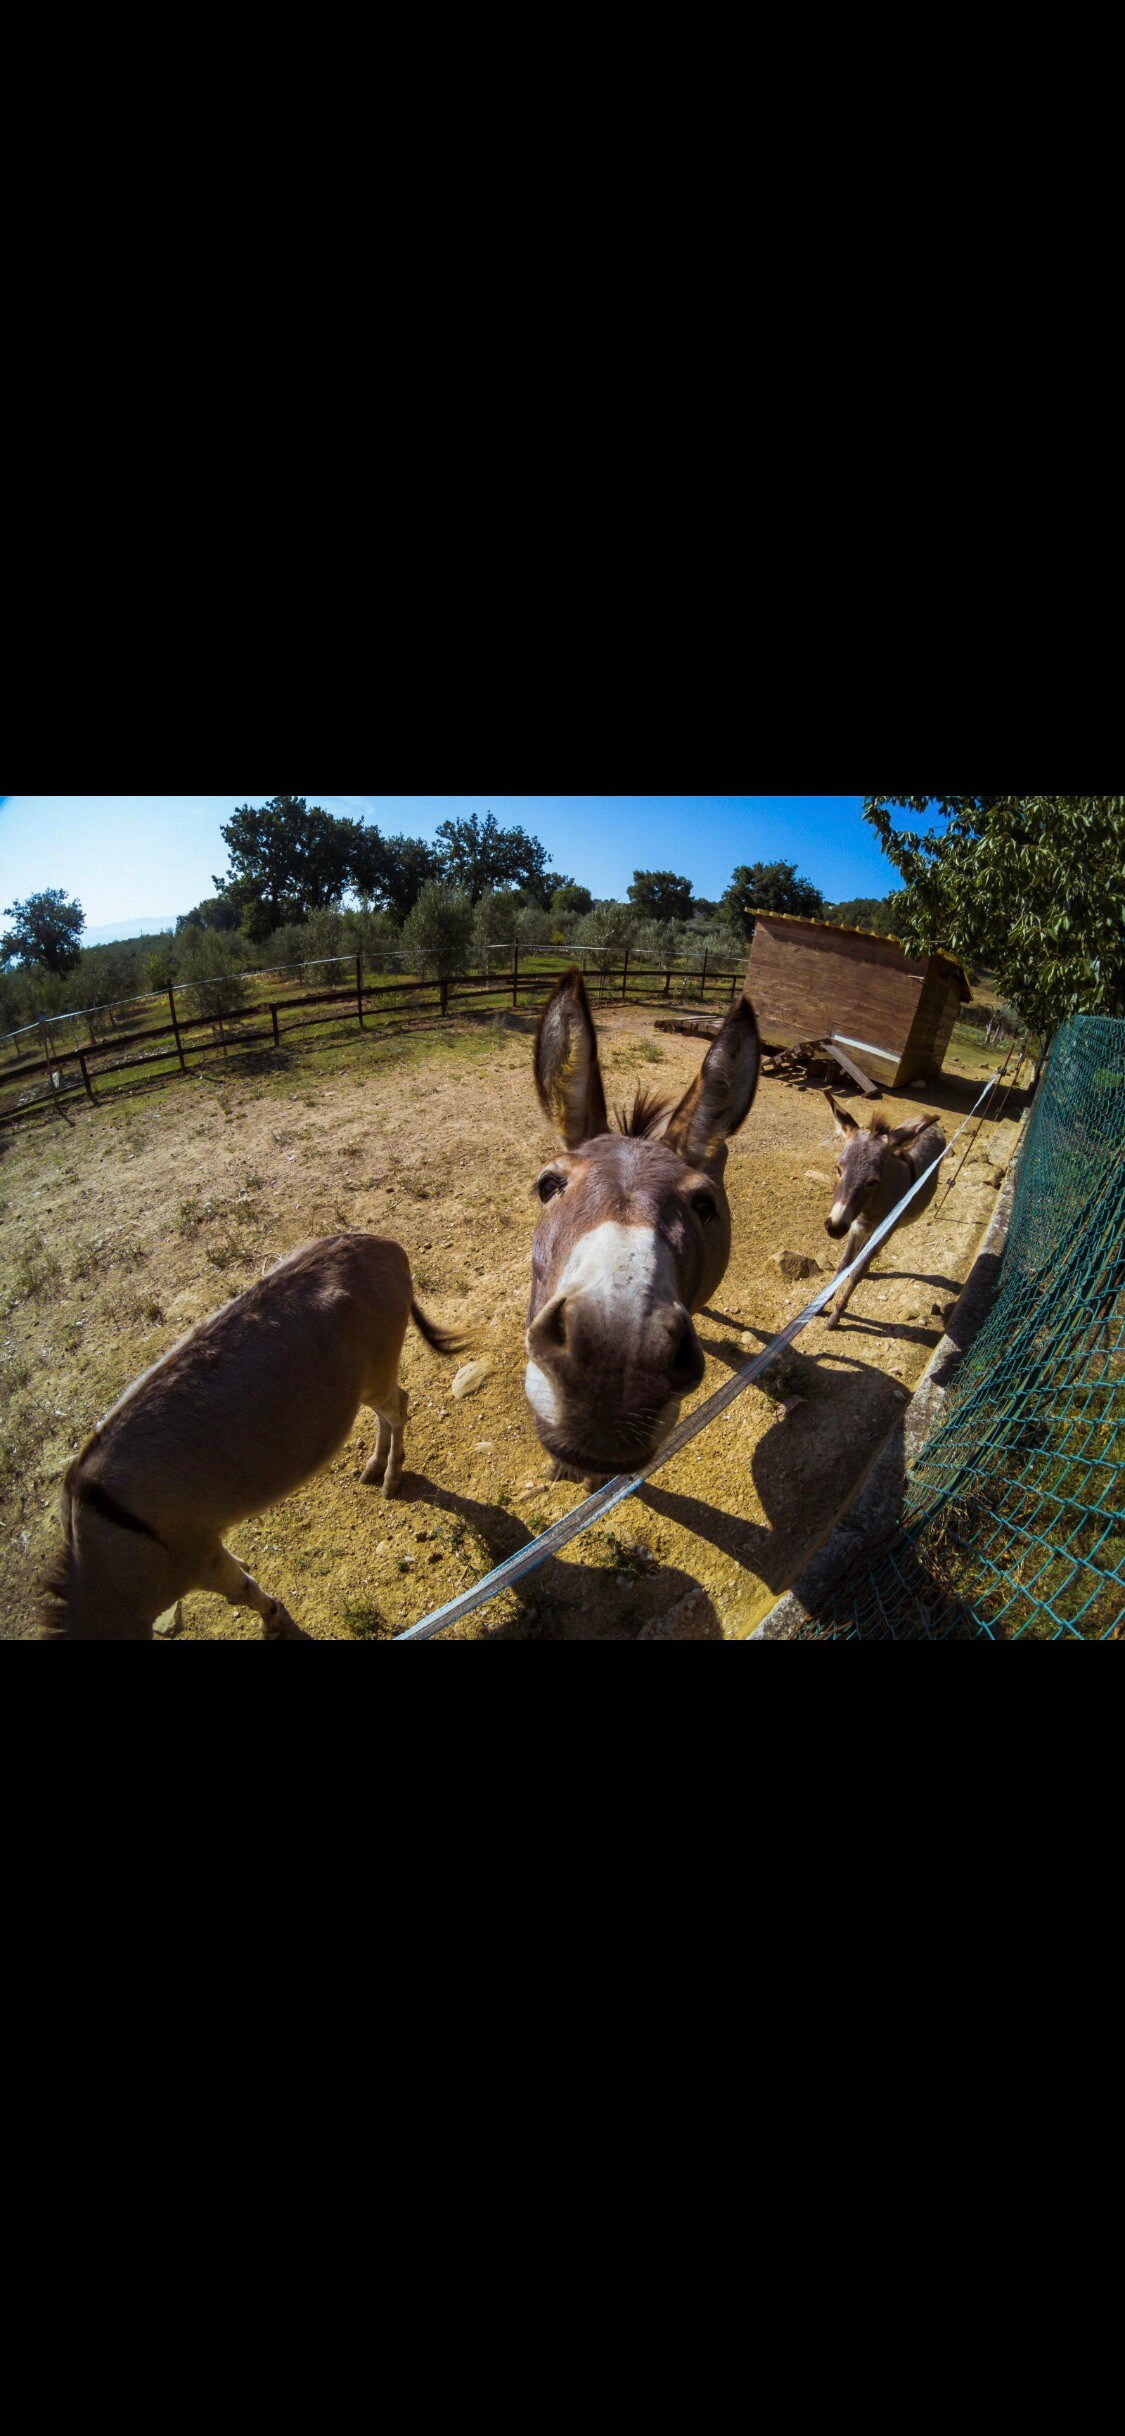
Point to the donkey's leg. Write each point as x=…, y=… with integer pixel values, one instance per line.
x=857, y=1237
x=396, y=1412
x=373, y=1472
x=222, y=1572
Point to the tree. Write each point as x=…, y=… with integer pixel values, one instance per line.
x=47, y=931
x=210, y=963
x=569, y=900
x=392, y=871
x=606, y=931
x=661, y=896
x=212, y=913
x=287, y=858
x=879, y=914
x=1031, y=886
x=767, y=888
x=479, y=854
x=440, y=930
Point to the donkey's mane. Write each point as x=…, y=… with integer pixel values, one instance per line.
x=644, y=1115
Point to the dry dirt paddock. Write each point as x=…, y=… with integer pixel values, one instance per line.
x=123, y=1224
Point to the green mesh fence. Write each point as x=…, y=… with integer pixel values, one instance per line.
x=1013, y=1518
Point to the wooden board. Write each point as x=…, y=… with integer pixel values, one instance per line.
x=856, y=1072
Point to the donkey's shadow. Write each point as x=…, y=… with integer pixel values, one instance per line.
x=571, y=1601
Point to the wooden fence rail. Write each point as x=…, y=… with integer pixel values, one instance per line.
x=346, y=1004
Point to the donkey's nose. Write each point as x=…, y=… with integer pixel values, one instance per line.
x=687, y=1358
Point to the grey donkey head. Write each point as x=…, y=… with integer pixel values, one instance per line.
x=862, y=1160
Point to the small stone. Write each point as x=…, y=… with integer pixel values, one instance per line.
x=382, y=1547
x=169, y=1623
x=790, y=1406
x=470, y=1376
x=994, y=1177
x=816, y=1175
x=795, y=1264
x=483, y=1446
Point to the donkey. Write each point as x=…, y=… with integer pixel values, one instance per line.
x=236, y=1415
x=877, y=1165
x=633, y=1238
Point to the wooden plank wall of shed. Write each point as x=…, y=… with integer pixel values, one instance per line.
x=803, y=986
x=921, y=1054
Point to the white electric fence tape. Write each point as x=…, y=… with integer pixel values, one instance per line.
x=623, y=1485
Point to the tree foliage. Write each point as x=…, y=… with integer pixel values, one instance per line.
x=478, y=854
x=440, y=930
x=287, y=857
x=661, y=896
x=391, y=872
x=1031, y=886
x=569, y=901
x=45, y=930
x=879, y=914
x=768, y=888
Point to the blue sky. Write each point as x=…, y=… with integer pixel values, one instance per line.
x=129, y=857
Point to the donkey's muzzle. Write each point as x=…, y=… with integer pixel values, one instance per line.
x=604, y=1397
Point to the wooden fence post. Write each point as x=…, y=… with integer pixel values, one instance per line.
x=515, y=973
x=359, y=984
x=703, y=978
x=625, y=974
x=443, y=986
x=667, y=981
x=276, y=1033
x=85, y=1075
x=176, y=1029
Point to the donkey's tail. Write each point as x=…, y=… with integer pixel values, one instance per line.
x=443, y=1340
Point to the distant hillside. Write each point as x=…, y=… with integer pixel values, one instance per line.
x=139, y=928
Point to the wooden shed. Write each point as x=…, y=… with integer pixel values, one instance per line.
x=893, y=1013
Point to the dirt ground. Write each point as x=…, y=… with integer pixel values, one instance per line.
x=122, y=1225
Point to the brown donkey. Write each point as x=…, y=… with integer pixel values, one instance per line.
x=634, y=1237
x=877, y=1165
x=236, y=1415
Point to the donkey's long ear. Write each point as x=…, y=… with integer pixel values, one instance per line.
x=845, y=1121
x=914, y=1126
x=568, y=1077
x=715, y=1104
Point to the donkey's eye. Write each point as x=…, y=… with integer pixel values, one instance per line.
x=549, y=1185
x=705, y=1206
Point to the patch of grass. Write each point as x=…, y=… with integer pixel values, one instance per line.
x=367, y=1623
x=37, y=1271
x=223, y=1249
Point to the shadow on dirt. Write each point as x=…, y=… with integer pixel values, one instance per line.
x=571, y=1601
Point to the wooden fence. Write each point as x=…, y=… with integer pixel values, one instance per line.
x=75, y=1071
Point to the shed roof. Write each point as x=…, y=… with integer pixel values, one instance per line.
x=844, y=930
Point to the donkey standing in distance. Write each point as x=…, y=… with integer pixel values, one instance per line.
x=634, y=1238
x=231, y=1419
x=877, y=1165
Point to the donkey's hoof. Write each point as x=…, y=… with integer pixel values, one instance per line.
x=274, y=1625
x=390, y=1487
x=371, y=1474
